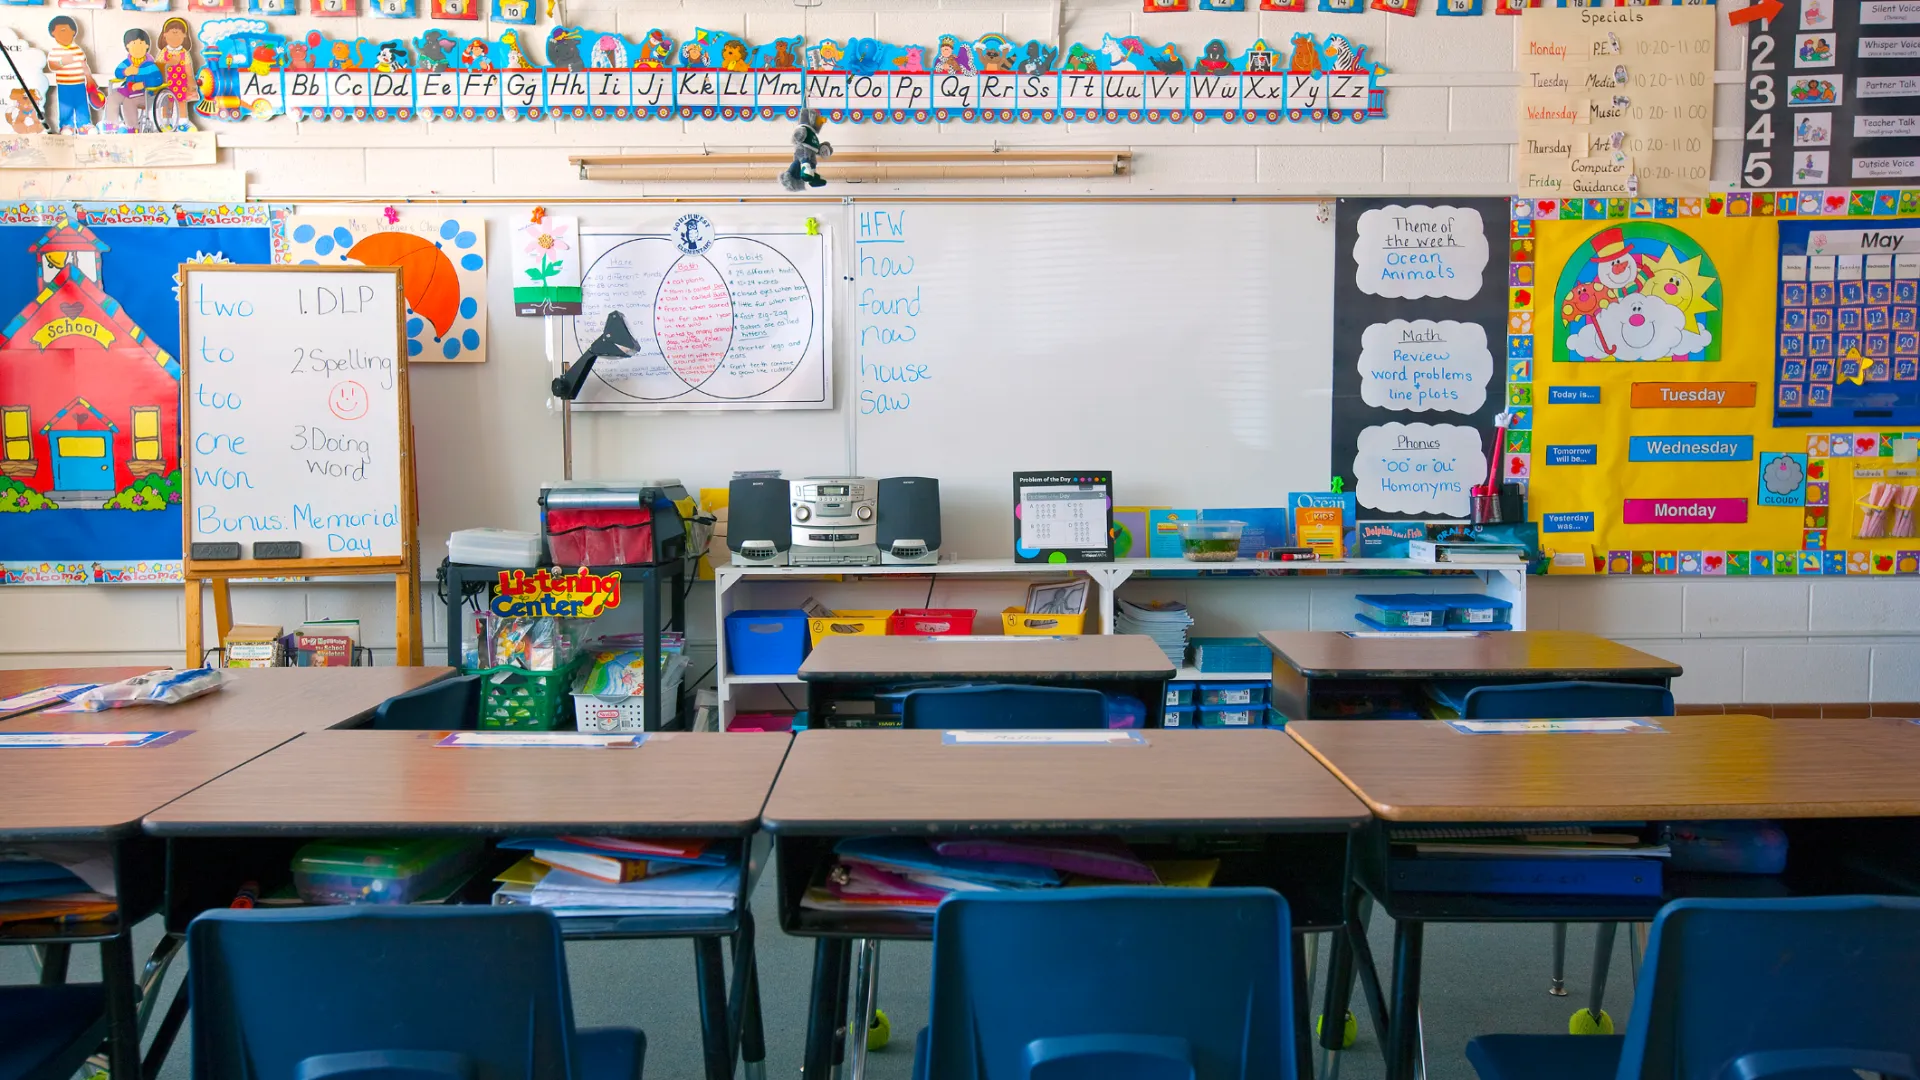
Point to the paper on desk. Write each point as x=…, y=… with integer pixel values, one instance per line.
x=1616, y=726
x=1044, y=738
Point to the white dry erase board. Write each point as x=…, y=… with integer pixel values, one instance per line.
x=294, y=414
x=724, y=318
x=1183, y=346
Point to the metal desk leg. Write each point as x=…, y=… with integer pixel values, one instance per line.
x=715, y=1037
x=53, y=964
x=745, y=1002
x=822, y=1012
x=456, y=585
x=1637, y=948
x=1403, y=1016
x=163, y=1036
x=842, y=974
x=123, y=1020
x=1558, y=988
x=1602, y=958
x=1302, y=1008
x=866, y=981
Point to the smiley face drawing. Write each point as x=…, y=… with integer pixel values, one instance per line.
x=348, y=400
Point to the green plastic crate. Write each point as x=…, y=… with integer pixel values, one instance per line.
x=515, y=699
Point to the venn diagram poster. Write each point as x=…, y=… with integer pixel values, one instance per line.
x=1419, y=350
x=722, y=317
x=1653, y=411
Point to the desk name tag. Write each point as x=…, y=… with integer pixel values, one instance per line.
x=540, y=739
x=44, y=696
x=1044, y=738
x=75, y=740
x=1442, y=634
x=1616, y=726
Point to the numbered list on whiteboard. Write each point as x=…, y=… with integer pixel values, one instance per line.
x=293, y=402
x=1616, y=102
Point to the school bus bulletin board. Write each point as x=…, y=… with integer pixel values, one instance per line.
x=1727, y=385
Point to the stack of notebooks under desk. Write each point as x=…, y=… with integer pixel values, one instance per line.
x=908, y=874
x=601, y=876
x=1563, y=860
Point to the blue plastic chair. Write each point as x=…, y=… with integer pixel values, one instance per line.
x=1004, y=707
x=402, y=993
x=1749, y=989
x=48, y=1032
x=1110, y=984
x=448, y=705
x=1565, y=701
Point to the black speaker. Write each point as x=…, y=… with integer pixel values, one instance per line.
x=908, y=520
x=759, y=528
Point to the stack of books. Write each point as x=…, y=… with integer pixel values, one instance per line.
x=35, y=889
x=1165, y=621
x=909, y=874
x=585, y=876
x=324, y=643
x=250, y=645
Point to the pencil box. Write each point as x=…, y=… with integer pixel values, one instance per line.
x=1612, y=876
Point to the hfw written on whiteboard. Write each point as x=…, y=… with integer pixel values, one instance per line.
x=293, y=406
x=727, y=316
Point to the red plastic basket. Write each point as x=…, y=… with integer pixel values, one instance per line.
x=931, y=622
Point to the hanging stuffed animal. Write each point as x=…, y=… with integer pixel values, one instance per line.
x=808, y=149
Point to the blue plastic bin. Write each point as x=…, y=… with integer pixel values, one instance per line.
x=1231, y=654
x=769, y=642
x=1247, y=716
x=1406, y=611
x=1181, y=716
x=1471, y=611
x=1180, y=693
x=1233, y=693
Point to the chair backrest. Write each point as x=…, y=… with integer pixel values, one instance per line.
x=447, y=705
x=1565, y=701
x=1112, y=984
x=460, y=993
x=1013, y=706
x=1744, y=989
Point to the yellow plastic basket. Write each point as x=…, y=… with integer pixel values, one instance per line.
x=1016, y=621
x=849, y=624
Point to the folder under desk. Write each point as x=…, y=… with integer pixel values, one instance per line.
x=844, y=667
x=247, y=825
x=286, y=699
x=1312, y=668
x=99, y=795
x=1844, y=790
x=1272, y=815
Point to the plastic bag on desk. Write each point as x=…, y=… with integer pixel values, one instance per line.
x=153, y=688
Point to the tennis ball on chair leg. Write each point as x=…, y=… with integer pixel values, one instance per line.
x=1584, y=1023
x=1348, y=1031
x=880, y=1032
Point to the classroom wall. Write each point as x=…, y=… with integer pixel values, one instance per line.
x=486, y=439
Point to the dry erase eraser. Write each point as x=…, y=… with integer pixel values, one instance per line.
x=215, y=552
x=276, y=549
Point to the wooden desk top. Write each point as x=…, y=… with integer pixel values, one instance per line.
x=1092, y=656
x=1331, y=654
x=844, y=782
x=1702, y=767
x=25, y=680
x=290, y=699
x=328, y=783
x=100, y=793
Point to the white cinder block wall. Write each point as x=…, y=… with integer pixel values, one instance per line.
x=1450, y=130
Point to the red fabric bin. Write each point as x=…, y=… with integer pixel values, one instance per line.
x=618, y=537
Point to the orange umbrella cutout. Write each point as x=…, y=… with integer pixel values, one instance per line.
x=426, y=274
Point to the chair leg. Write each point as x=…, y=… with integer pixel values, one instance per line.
x=1637, y=949
x=715, y=1038
x=1558, y=988
x=1602, y=957
x=123, y=1021
x=860, y=1013
x=53, y=964
x=822, y=1013
x=746, y=975
x=164, y=1035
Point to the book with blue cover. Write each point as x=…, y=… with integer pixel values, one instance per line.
x=1523, y=876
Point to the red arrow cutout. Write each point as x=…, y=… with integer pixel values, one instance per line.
x=1768, y=10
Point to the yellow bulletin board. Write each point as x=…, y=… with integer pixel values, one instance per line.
x=1644, y=353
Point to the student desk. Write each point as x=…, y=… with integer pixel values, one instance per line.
x=99, y=795
x=1272, y=815
x=1820, y=778
x=845, y=668
x=289, y=699
x=1314, y=670
x=247, y=825
x=26, y=680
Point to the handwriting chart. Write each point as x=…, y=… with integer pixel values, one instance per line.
x=723, y=319
x=1616, y=101
x=295, y=418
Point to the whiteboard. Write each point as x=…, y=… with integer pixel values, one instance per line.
x=294, y=409
x=724, y=318
x=1184, y=346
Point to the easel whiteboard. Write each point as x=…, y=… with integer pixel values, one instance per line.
x=294, y=415
x=1184, y=346
x=725, y=318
